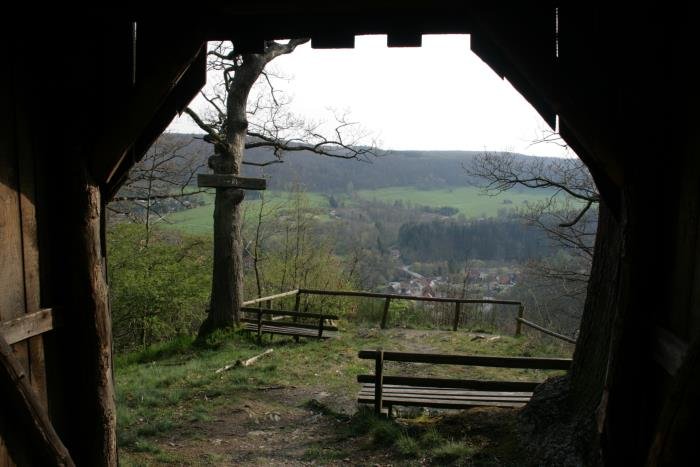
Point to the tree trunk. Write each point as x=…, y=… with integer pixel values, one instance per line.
x=227, y=279
x=565, y=417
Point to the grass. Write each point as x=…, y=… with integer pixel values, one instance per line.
x=469, y=200
x=199, y=220
x=173, y=388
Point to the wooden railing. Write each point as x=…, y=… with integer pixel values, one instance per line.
x=458, y=302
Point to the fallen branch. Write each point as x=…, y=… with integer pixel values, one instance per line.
x=247, y=362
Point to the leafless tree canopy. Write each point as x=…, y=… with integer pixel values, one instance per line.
x=163, y=177
x=565, y=215
x=271, y=123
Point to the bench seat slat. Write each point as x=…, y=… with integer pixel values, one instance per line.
x=289, y=324
x=390, y=397
x=441, y=403
x=410, y=390
x=473, y=384
x=290, y=331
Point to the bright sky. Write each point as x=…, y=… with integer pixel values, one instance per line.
x=439, y=96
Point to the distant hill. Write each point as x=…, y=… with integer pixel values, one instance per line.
x=419, y=169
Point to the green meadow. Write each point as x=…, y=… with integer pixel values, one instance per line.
x=470, y=201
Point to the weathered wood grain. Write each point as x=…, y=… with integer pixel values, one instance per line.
x=28, y=325
x=30, y=411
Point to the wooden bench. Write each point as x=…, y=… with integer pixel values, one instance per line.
x=386, y=391
x=276, y=323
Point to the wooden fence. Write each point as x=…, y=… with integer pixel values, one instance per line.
x=387, y=297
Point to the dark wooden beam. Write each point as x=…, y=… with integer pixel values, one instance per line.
x=230, y=181
x=18, y=394
x=404, y=39
x=162, y=58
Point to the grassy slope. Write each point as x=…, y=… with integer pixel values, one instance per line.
x=199, y=220
x=172, y=388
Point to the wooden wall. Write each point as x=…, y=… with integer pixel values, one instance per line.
x=19, y=246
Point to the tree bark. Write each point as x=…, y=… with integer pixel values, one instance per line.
x=227, y=279
x=564, y=420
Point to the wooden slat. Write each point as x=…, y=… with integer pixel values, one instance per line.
x=230, y=181
x=290, y=331
x=393, y=389
x=286, y=324
x=545, y=330
x=474, y=384
x=300, y=314
x=353, y=293
x=389, y=396
x=29, y=325
x=30, y=239
x=474, y=360
x=444, y=403
x=271, y=297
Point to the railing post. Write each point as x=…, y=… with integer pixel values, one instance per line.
x=518, y=324
x=320, y=327
x=297, y=302
x=386, y=312
x=378, y=381
x=458, y=306
x=260, y=313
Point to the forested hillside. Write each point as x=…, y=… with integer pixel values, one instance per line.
x=425, y=170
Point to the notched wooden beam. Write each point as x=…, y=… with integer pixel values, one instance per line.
x=333, y=41
x=230, y=181
x=401, y=39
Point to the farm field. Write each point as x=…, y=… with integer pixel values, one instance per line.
x=469, y=200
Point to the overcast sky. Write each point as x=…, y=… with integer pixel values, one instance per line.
x=439, y=96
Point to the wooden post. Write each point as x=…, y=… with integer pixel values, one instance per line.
x=458, y=305
x=386, y=312
x=297, y=303
x=320, y=327
x=518, y=323
x=378, y=381
x=260, y=313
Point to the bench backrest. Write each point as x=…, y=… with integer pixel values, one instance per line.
x=472, y=360
x=380, y=356
x=297, y=314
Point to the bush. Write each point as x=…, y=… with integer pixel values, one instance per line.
x=159, y=287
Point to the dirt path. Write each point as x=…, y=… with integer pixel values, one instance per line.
x=274, y=427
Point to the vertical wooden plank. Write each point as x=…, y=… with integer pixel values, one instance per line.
x=30, y=245
x=386, y=312
x=518, y=324
x=297, y=302
x=378, y=381
x=455, y=323
x=12, y=302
